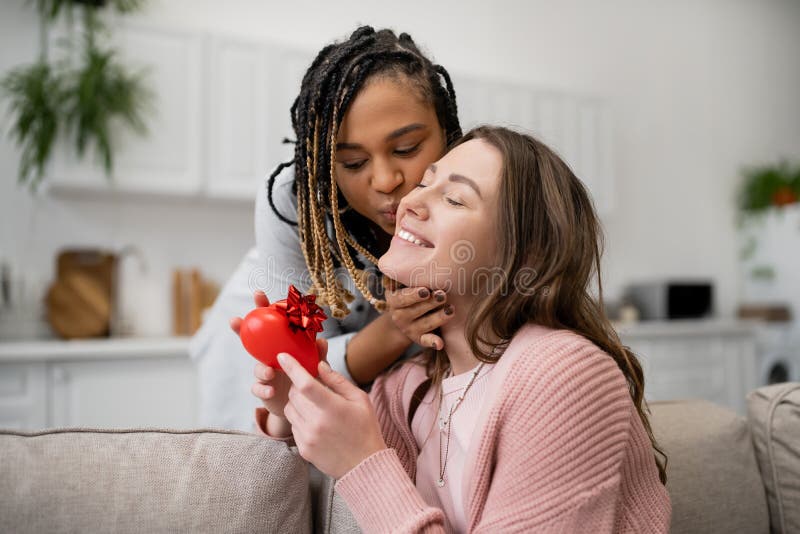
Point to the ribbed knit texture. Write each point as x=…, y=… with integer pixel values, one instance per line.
x=558, y=447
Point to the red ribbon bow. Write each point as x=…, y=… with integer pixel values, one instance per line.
x=302, y=311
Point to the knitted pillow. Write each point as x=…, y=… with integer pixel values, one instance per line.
x=147, y=480
x=331, y=514
x=712, y=474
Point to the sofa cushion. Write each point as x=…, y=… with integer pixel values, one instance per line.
x=149, y=480
x=712, y=475
x=331, y=514
x=774, y=413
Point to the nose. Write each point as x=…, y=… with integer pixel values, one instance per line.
x=414, y=204
x=386, y=178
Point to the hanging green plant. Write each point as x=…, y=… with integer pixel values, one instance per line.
x=82, y=103
x=50, y=10
x=100, y=92
x=36, y=95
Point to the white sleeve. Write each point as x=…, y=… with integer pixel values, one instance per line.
x=224, y=367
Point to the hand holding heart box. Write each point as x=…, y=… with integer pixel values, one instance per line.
x=290, y=325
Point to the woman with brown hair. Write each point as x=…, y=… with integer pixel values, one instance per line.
x=532, y=418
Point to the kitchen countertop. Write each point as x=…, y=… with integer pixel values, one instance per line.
x=92, y=349
x=178, y=346
x=688, y=328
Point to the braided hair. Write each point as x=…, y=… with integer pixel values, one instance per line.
x=329, y=85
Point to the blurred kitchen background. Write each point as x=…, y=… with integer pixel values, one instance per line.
x=683, y=118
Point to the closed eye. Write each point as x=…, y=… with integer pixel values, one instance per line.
x=407, y=151
x=449, y=200
x=352, y=166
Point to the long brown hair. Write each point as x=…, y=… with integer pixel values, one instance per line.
x=547, y=230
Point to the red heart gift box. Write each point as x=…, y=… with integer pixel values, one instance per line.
x=290, y=325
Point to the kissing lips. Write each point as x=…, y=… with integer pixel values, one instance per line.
x=390, y=213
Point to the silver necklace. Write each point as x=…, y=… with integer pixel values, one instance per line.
x=444, y=425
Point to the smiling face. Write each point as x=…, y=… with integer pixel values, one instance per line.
x=446, y=227
x=387, y=138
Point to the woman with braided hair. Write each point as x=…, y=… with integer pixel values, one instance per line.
x=372, y=113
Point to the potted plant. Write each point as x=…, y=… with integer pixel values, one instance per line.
x=80, y=103
x=769, y=186
x=766, y=191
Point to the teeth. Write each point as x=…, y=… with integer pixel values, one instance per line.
x=411, y=238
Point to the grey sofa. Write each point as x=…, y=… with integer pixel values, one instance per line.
x=726, y=474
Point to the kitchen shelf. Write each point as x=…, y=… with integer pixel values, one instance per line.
x=678, y=328
x=94, y=349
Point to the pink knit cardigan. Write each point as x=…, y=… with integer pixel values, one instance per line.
x=559, y=447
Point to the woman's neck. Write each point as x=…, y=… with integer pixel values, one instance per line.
x=462, y=359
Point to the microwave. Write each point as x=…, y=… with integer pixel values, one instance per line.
x=672, y=299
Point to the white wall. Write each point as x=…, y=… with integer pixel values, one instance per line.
x=699, y=88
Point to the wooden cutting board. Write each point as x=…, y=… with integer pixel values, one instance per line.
x=80, y=301
x=78, y=306
x=97, y=264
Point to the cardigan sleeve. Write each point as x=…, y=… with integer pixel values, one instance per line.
x=380, y=491
x=561, y=429
x=382, y=498
x=260, y=427
x=560, y=434
x=561, y=442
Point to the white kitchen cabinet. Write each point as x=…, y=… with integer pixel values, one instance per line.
x=120, y=383
x=23, y=395
x=579, y=128
x=222, y=110
x=704, y=359
x=168, y=159
x=239, y=117
x=156, y=392
x=251, y=87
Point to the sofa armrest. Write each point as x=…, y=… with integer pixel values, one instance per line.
x=774, y=415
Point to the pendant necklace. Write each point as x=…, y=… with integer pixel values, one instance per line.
x=444, y=424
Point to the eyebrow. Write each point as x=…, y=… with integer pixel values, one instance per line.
x=459, y=178
x=394, y=135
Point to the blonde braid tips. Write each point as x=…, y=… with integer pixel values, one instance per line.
x=339, y=230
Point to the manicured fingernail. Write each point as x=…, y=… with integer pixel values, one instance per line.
x=326, y=365
x=282, y=358
x=448, y=310
x=423, y=293
x=439, y=296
